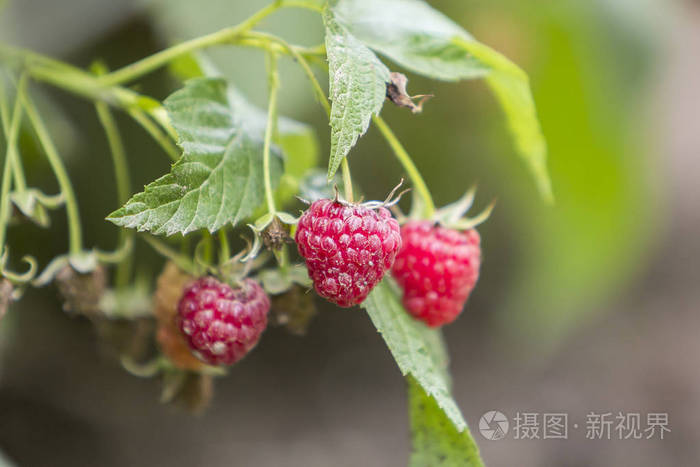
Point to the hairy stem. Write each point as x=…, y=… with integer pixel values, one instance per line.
x=408, y=165
x=74, y=229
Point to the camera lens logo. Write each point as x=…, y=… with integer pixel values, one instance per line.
x=493, y=425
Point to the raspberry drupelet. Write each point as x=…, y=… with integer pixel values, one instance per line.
x=221, y=323
x=347, y=248
x=437, y=268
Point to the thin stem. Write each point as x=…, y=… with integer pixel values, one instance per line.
x=161, y=138
x=303, y=62
x=74, y=229
x=321, y=96
x=11, y=130
x=80, y=83
x=408, y=165
x=116, y=146
x=224, y=249
x=5, y=201
x=157, y=60
x=301, y=4
x=273, y=79
x=347, y=180
x=121, y=174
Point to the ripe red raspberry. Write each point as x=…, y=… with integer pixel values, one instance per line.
x=347, y=248
x=437, y=269
x=222, y=324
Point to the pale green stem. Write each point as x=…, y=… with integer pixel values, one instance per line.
x=347, y=180
x=116, y=146
x=17, y=170
x=224, y=249
x=321, y=96
x=5, y=201
x=11, y=130
x=162, y=58
x=408, y=165
x=161, y=138
x=83, y=84
x=74, y=229
x=273, y=79
x=121, y=174
x=299, y=57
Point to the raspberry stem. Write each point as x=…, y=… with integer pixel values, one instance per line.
x=408, y=165
x=273, y=82
x=75, y=233
x=121, y=174
x=162, y=58
x=11, y=130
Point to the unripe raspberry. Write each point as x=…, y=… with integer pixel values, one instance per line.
x=347, y=248
x=437, y=268
x=222, y=324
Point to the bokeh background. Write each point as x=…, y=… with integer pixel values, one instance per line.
x=590, y=305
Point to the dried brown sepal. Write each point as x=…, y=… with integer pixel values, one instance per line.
x=171, y=282
x=6, y=289
x=275, y=235
x=293, y=309
x=82, y=292
x=396, y=93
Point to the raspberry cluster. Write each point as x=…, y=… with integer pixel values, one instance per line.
x=222, y=324
x=437, y=269
x=347, y=248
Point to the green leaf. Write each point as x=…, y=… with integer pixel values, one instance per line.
x=297, y=140
x=357, y=88
x=412, y=34
x=219, y=178
x=421, y=357
x=423, y=40
x=436, y=441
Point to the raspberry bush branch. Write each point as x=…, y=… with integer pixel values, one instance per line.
x=273, y=87
x=11, y=129
x=75, y=233
x=121, y=175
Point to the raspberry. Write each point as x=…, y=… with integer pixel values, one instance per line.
x=437, y=269
x=347, y=248
x=222, y=324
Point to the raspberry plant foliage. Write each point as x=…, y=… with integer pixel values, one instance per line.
x=236, y=168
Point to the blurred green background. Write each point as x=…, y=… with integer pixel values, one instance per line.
x=591, y=277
